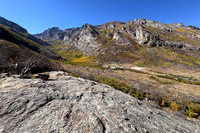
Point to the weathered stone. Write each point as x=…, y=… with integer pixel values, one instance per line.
x=68, y=104
x=43, y=76
x=4, y=75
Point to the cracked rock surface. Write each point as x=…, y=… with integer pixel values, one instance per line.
x=68, y=104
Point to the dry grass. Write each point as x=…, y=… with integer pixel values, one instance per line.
x=144, y=84
x=132, y=78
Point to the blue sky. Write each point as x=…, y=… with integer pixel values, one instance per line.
x=38, y=15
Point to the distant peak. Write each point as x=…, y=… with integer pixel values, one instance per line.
x=157, y=24
x=55, y=29
x=87, y=26
x=144, y=21
x=111, y=24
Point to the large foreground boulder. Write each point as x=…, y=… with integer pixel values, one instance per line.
x=67, y=104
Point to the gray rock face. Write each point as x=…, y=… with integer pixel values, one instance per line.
x=121, y=39
x=53, y=33
x=90, y=39
x=109, y=25
x=145, y=37
x=86, y=41
x=151, y=23
x=83, y=38
x=68, y=104
x=161, y=25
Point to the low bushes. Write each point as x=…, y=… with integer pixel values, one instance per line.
x=163, y=100
x=160, y=81
x=193, y=110
x=174, y=106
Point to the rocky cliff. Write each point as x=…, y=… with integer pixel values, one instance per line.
x=90, y=38
x=67, y=104
x=139, y=41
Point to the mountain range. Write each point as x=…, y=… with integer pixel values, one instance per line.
x=154, y=62
x=142, y=42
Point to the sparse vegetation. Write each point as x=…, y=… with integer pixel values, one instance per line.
x=193, y=110
x=165, y=82
x=174, y=106
x=154, y=78
x=183, y=79
x=163, y=100
x=174, y=37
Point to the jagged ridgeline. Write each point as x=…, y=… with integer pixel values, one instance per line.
x=142, y=42
x=18, y=49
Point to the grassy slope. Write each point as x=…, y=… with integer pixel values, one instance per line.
x=16, y=48
x=73, y=55
x=24, y=40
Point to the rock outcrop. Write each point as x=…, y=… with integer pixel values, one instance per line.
x=51, y=33
x=151, y=23
x=68, y=104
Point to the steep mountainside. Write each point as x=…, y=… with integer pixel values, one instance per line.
x=12, y=25
x=153, y=42
x=68, y=104
x=20, y=31
x=18, y=48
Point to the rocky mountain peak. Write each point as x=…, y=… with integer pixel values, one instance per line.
x=110, y=25
x=129, y=22
x=86, y=26
x=53, y=30
x=51, y=33
x=151, y=23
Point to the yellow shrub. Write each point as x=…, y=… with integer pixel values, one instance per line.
x=82, y=59
x=193, y=110
x=174, y=106
x=163, y=103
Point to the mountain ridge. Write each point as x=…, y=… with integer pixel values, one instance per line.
x=139, y=23
x=12, y=25
x=111, y=39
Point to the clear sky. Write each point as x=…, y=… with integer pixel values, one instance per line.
x=38, y=15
